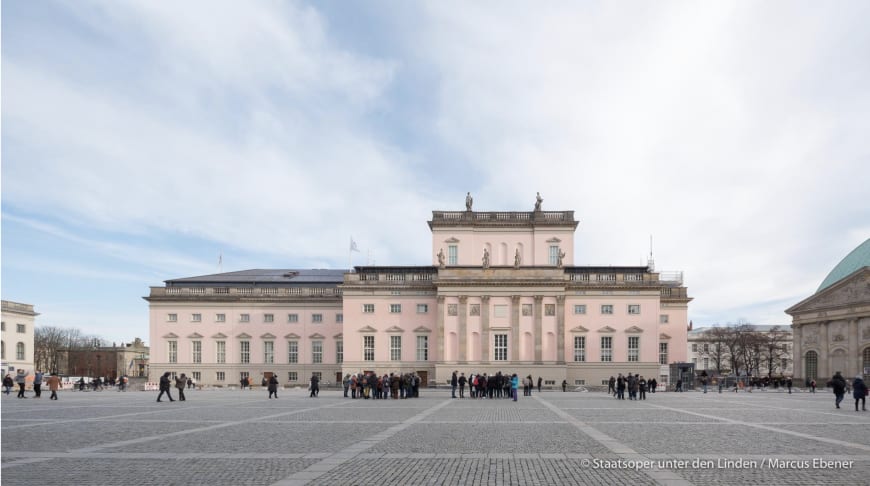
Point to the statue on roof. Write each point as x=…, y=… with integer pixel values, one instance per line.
x=517, y=259
x=538, y=201
x=441, y=258
x=485, y=258
x=561, y=256
x=468, y=201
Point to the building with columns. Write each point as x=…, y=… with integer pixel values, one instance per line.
x=18, y=323
x=502, y=293
x=831, y=328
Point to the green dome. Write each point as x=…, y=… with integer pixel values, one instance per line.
x=858, y=258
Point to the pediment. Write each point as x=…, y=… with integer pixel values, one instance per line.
x=633, y=330
x=316, y=335
x=292, y=335
x=664, y=336
x=854, y=289
x=243, y=336
x=338, y=336
x=554, y=240
x=267, y=336
x=607, y=329
x=171, y=335
x=195, y=335
x=219, y=335
x=395, y=329
x=579, y=329
x=367, y=329
x=452, y=239
x=422, y=329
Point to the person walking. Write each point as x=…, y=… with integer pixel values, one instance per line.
x=859, y=391
x=454, y=382
x=53, y=383
x=37, y=384
x=181, y=384
x=540, y=381
x=8, y=383
x=611, y=386
x=788, y=385
x=315, y=386
x=813, y=386
x=21, y=380
x=515, y=385
x=838, y=383
x=564, y=386
x=165, y=386
x=273, y=387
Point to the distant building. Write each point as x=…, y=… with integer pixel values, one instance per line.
x=832, y=326
x=772, y=354
x=129, y=359
x=17, y=334
x=501, y=293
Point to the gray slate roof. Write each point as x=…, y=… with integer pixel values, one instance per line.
x=259, y=276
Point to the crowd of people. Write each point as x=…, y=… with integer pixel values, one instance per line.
x=635, y=384
x=393, y=385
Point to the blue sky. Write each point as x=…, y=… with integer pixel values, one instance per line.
x=140, y=140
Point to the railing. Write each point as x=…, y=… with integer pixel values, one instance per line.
x=671, y=277
x=247, y=291
x=392, y=277
x=502, y=217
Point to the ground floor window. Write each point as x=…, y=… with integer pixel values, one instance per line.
x=812, y=365
x=500, y=347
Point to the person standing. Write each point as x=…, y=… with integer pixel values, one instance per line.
x=788, y=385
x=515, y=385
x=165, y=387
x=181, y=384
x=454, y=382
x=838, y=383
x=8, y=383
x=273, y=387
x=564, y=386
x=53, y=383
x=859, y=391
x=462, y=381
x=315, y=386
x=641, y=387
x=813, y=386
x=652, y=384
x=540, y=381
x=21, y=380
x=37, y=384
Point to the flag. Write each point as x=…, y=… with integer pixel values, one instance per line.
x=353, y=246
x=220, y=258
x=131, y=364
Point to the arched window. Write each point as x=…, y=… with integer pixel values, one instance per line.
x=19, y=351
x=812, y=365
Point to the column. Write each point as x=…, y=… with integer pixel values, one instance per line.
x=560, y=329
x=797, y=354
x=484, y=328
x=824, y=356
x=514, y=351
x=853, y=360
x=440, y=323
x=539, y=318
x=463, y=328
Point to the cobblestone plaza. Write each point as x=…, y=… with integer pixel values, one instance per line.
x=226, y=437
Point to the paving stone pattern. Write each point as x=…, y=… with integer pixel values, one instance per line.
x=231, y=437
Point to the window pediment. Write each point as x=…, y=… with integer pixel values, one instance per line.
x=579, y=329
x=422, y=329
x=554, y=240
x=316, y=335
x=395, y=329
x=664, y=336
x=452, y=239
x=634, y=330
x=367, y=329
x=338, y=336
x=219, y=335
x=243, y=336
x=607, y=329
x=267, y=336
x=292, y=335
x=195, y=335
x=171, y=335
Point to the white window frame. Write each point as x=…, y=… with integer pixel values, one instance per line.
x=245, y=352
x=634, y=309
x=663, y=353
x=579, y=308
x=268, y=317
x=395, y=308
x=633, y=349
x=172, y=317
x=339, y=318
x=368, y=348
x=172, y=349
x=606, y=349
x=368, y=308
x=452, y=255
x=316, y=318
x=220, y=318
x=579, y=349
x=245, y=318
x=196, y=317
x=293, y=352
x=220, y=375
x=339, y=351
x=220, y=352
x=422, y=308
x=317, y=352
x=292, y=318
x=268, y=352
x=292, y=376
x=20, y=351
x=196, y=351
x=664, y=318
x=607, y=309
x=500, y=347
x=395, y=348
x=422, y=348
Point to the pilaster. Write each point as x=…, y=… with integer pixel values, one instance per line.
x=539, y=319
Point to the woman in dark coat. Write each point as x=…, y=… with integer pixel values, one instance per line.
x=181, y=384
x=859, y=391
x=273, y=386
x=165, y=386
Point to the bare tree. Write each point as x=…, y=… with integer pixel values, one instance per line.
x=775, y=349
x=713, y=347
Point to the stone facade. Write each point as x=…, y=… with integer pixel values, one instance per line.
x=18, y=322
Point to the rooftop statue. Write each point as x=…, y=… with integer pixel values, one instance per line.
x=538, y=201
x=517, y=259
x=485, y=258
x=441, y=258
x=468, y=201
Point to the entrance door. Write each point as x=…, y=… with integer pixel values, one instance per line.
x=424, y=379
x=338, y=377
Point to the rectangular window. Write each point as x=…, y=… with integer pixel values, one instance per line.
x=291, y=318
x=319, y=375
x=549, y=309
x=452, y=309
x=368, y=308
x=245, y=318
x=694, y=347
x=706, y=347
x=196, y=317
x=500, y=347
x=395, y=308
x=3, y=325
x=292, y=376
x=19, y=351
x=395, y=348
x=634, y=309
x=173, y=351
x=422, y=348
x=579, y=348
x=500, y=310
x=268, y=352
x=292, y=351
x=268, y=317
x=583, y=382
x=452, y=255
x=196, y=347
x=220, y=318
x=172, y=317
x=606, y=348
x=422, y=308
x=607, y=309
x=197, y=376
x=245, y=351
x=706, y=363
x=317, y=352
x=474, y=310
x=316, y=318
x=663, y=319
x=221, y=347
x=368, y=348
x=663, y=353
x=220, y=376
x=22, y=328
x=339, y=351
x=554, y=255
x=633, y=348
x=243, y=375
x=579, y=309
x=339, y=318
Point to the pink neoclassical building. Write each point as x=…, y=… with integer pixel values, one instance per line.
x=501, y=294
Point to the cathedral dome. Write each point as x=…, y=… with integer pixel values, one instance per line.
x=857, y=259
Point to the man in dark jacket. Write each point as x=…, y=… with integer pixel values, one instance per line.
x=273, y=386
x=838, y=383
x=859, y=391
x=454, y=382
x=315, y=386
x=165, y=386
